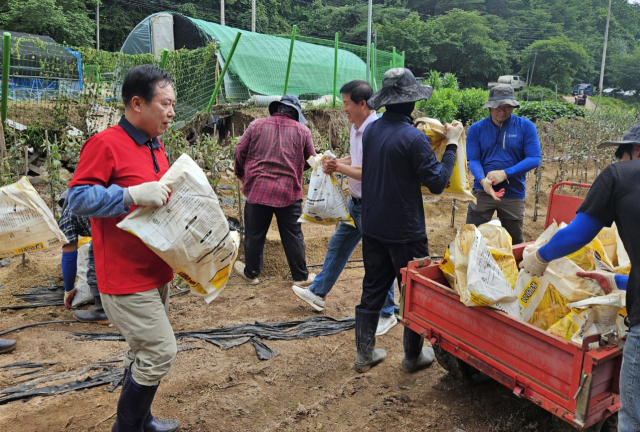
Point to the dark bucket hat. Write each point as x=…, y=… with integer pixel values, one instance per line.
x=288, y=100
x=631, y=137
x=501, y=95
x=399, y=86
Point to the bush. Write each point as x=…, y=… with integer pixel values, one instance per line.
x=536, y=93
x=448, y=104
x=549, y=111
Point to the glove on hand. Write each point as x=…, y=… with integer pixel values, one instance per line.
x=452, y=132
x=606, y=280
x=68, y=297
x=497, y=177
x=533, y=264
x=487, y=185
x=154, y=194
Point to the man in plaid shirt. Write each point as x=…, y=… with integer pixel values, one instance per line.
x=270, y=159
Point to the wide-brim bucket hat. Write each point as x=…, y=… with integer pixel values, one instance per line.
x=501, y=95
x=288, y=100
x=399, y=86
x=631, y=137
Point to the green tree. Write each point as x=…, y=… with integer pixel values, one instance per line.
x=463, y=44
x=67, y=22
x=558, y=61
x=625, y=71
x=410, y=35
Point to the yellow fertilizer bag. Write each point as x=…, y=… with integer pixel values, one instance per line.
x=499, y=243
x=190, y=232
x=26, y=223
x=479, y=280
x=608, y=239
x=458, y=186
x=325, y=203
x=595, y=315
x=551, y=309
x=447, y=265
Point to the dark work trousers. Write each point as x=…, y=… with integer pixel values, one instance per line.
x=257, y=219
x=510, y=212
x=382, y=264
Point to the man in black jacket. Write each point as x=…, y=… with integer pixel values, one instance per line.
x=397, y=160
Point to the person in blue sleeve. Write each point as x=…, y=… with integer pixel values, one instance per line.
x=613, y=197
x=501, y=149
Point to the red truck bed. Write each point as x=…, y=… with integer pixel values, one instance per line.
x=574, y=383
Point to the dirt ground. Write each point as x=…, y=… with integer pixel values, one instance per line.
x=309, y=385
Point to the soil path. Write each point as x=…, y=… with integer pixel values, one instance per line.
x=591, y=105
x=309, y=386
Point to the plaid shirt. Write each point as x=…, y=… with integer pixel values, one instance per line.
x=270, y=159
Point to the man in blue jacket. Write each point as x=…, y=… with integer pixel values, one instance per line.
x=501, y=149
x=397, y=160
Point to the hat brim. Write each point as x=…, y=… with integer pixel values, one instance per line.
x=499, y=102
x=273, y=107
x=616, y=143
x=392, y=95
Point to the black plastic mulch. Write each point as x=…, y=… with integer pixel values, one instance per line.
x=108, y=372
x=229, y=337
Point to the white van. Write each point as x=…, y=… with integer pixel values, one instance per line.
x=515, y=81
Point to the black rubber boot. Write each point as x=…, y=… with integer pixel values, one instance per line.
x=7, y=345
x=93, y=315
x=152, y=424
x=415, y=357
x=366, y=325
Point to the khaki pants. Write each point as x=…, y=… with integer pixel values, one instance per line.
x=510, y=212
x=143, y=319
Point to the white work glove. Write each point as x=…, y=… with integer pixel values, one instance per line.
x=68, y=297
x=533, y=264
x=452, y=132
x=153, y=194
x=487, y=185
x=497, y=176
x=607, y=280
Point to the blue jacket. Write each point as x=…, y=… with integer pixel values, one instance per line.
x=396, y=160
x=514, y=148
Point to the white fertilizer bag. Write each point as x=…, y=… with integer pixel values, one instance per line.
x=190, y=232
x=325, y=204
x=26, y=223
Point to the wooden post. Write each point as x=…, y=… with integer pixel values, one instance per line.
x=453, y=213
x=535, y=207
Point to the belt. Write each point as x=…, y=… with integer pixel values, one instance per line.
x=356, y=201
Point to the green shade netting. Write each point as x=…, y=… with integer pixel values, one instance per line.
x=260, y=62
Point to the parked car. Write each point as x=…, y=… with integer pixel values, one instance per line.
x=609, y=91
x=586, y=88
x=515, y=81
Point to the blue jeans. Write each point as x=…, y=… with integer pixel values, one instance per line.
x=629, y=415
x=342, y=244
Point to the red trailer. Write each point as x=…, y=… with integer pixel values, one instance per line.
x=574, y=383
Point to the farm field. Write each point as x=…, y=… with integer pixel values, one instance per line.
x=309, y=385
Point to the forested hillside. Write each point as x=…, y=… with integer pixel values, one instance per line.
x=476, y=39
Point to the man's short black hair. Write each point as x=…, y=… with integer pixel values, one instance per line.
x=624, y=149
x=142, y=80
x=357, y=90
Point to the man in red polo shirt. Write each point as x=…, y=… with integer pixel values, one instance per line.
x=119, y=170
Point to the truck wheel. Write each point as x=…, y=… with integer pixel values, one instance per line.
x=610, y=424
x=459, y=368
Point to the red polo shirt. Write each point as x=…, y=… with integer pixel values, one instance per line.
x=124, y=264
